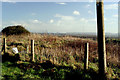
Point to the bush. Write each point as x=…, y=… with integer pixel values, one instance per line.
x=14, y=30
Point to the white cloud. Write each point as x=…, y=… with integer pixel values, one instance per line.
x=84, y=20
x=105, y=19
x=51, y=21
x=111, y=6
x=93, y=19
x=10, y=1
x=65, y=22
x=74, y=0
x=33, y=14
x=36, y=21
x=73, y=24
x=76, y=12
x=90, y=12
x=115, y=15
x=64, y=17
x=91, y=0
x=19, y=23
x=62, y=3
x=88, y=5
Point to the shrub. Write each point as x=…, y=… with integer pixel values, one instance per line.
x=14, y=30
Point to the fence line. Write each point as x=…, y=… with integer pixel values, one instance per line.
x=32, y=58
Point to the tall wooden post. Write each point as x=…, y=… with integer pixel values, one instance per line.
x=101, y=38
x=86, y=54
x=32, y=50
x=4, y=45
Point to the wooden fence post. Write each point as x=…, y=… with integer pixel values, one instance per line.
x=119, y=52
x=4, y=45
x=27, y=49
x=86, y=54
x=101, y=38
x=32, y=50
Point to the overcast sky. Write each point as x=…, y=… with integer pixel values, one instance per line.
x=59, y=16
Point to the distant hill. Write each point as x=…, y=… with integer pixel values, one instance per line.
x=15, y=30
x=85, y=34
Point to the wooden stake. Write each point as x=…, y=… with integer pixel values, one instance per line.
x=86, y=54
x=32, y=50
x=119, y=52
x=27, y=49
x=4, y=45
x=101, y=38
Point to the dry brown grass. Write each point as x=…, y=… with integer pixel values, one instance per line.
x=61, y=49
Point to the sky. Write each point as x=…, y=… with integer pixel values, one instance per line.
x=59, y=17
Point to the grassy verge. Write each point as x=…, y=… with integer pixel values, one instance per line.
x=49, y=71
x=26, y=71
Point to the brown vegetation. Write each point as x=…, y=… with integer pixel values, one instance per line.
x=64, y=50
x=67, y=48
